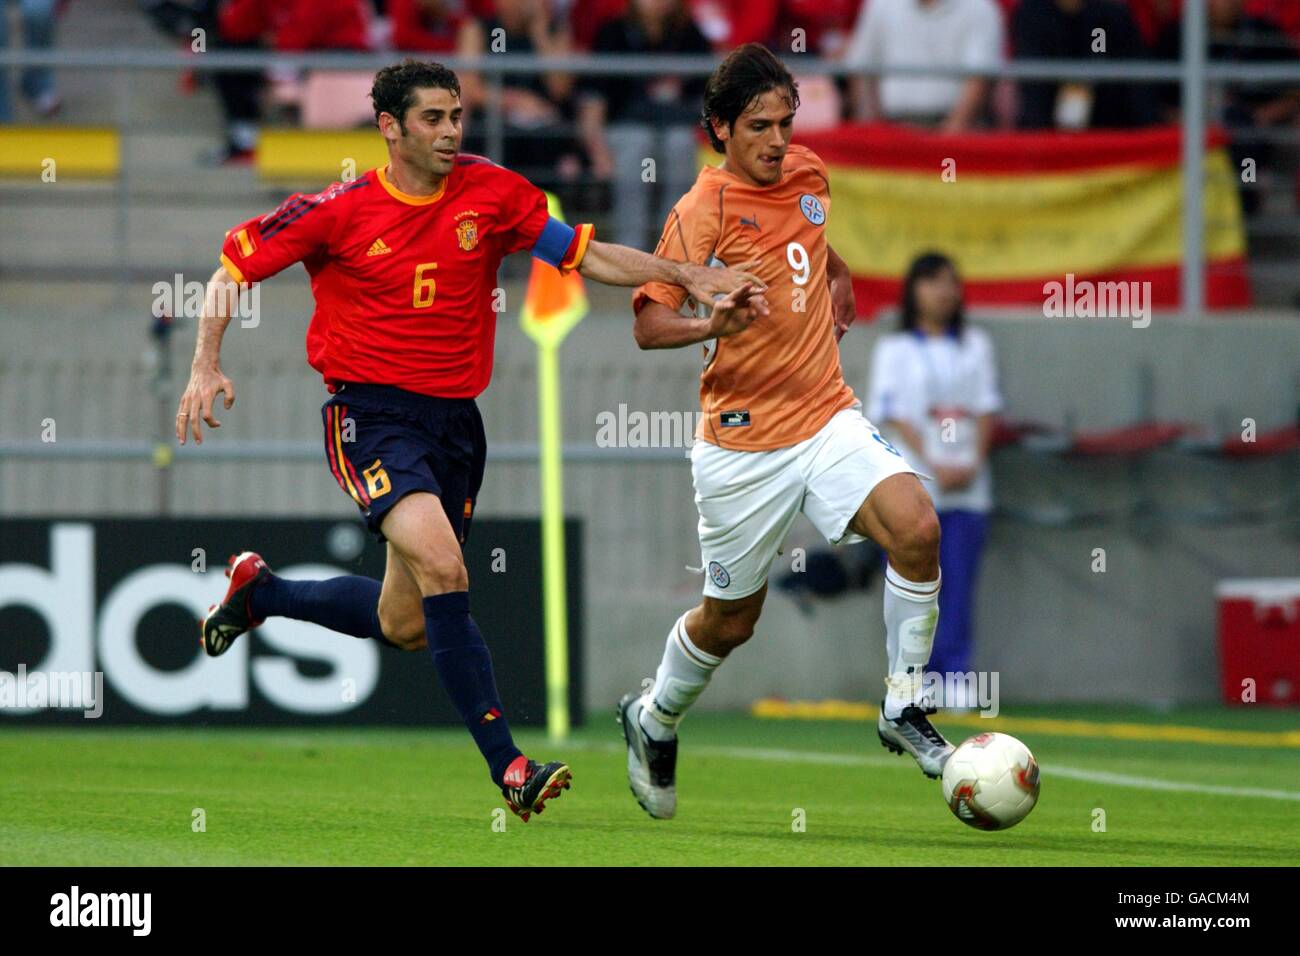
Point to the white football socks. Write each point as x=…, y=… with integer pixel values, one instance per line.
x=911, y=613
x=682, y=676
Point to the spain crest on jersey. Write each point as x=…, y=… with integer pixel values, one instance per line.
x=467, y=234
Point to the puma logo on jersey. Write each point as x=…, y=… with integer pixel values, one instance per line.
x=379, y=248
x=734, y=419
x=751, y=222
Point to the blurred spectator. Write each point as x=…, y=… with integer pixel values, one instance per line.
x=37, y=82
x=431, y=26
x=727, y=24
x=586, y=17
x=626, y=120
x=1152, y=16
x=535, y=106
x=827, y=25
x=1248, y=108
x=296, y=24
x=934, y=387
x=1285, y=13
x=1083, y=30
x=921, y=33
x=286, y=25
x=731, y=23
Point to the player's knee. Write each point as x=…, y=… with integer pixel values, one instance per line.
x=440, y=572
x=918, y=538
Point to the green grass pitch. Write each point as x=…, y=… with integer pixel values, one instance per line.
x=378, y=797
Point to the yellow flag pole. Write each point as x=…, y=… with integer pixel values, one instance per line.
x=548, y=318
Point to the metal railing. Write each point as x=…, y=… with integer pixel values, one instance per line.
x=1192, y=74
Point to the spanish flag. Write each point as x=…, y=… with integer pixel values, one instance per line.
x=1018, y=210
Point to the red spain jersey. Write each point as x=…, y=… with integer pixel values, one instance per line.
x=405, y=285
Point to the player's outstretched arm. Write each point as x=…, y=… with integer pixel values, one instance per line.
x=623, y=265
x=659, y=327
x=206, y=378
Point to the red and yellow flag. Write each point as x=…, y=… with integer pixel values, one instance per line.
x=1020, y=209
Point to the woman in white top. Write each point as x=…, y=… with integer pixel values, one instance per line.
x=934, y=388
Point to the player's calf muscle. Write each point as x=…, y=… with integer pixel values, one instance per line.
x=719, y=627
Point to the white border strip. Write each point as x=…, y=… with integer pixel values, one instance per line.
x=1053, y=770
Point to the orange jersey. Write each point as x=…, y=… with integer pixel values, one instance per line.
x=779, y=381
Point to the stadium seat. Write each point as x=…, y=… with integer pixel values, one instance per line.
x=1007, y=433
x=78, y=152
x=819, y=103
x=337, y=99
x=289, y=154
x=1130, y=440
x=1269, y=443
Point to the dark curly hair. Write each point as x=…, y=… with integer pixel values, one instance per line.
x=394, y=87
x=748, y=72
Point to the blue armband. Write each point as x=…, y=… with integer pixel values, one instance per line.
x=554, y=242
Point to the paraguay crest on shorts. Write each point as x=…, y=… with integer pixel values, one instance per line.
x=467, y=234
x=719, y=574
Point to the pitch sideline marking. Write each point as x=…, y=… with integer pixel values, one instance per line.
x=776, y=755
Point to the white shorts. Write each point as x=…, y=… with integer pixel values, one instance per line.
x=748, y=499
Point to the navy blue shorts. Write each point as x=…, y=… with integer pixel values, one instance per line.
x=383, y=443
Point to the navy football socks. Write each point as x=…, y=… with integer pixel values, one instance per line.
x=464, y=666
x=348, y=603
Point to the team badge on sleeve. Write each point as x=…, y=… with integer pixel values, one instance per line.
x=812, y=209
x=246, y=243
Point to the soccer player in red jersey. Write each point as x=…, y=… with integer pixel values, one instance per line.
x=403, y=264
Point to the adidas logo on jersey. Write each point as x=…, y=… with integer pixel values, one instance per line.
x=379, y=248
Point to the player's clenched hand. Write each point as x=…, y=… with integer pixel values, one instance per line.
x=196, y=404
x=703, y=282
x=737, y=310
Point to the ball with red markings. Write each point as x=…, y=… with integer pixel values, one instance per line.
x=991, y=781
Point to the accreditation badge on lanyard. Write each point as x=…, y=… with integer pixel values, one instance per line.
x=950, y=433
x=950, y=437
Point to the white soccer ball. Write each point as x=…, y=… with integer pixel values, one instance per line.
x=991, y=781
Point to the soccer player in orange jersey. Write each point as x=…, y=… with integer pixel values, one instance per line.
x=782, y=433
x=403, y=264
